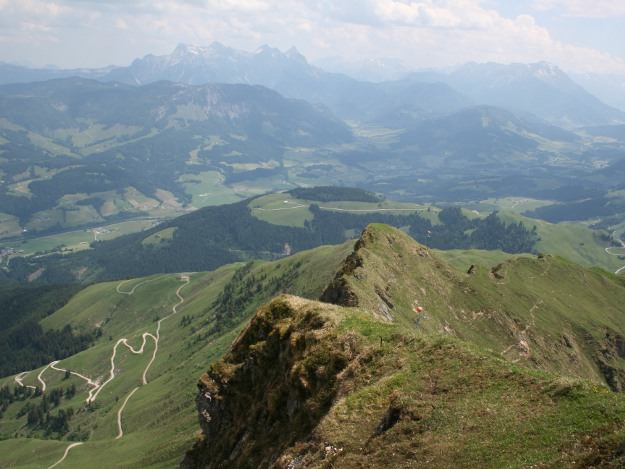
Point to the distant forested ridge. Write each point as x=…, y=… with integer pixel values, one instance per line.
x=588, y=208
x=214, y=236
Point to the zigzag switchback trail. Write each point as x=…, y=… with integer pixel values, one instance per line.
x=95, y=384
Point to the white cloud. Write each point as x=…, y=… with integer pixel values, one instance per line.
x=120, y=23
x=448, y=14
x=424, y=33
x=448, y=32
x=584, y=8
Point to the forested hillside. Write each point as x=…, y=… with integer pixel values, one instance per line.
x=23, y=342
x=215, y=236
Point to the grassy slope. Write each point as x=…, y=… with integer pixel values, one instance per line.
x=462, y=259
x=574, y=241
x=159, y=420
x=460, y=407
x=464, y=389
x=208, y=188
x=284, y=209
x=78, y=240
x=472, y=324
x=528, y=309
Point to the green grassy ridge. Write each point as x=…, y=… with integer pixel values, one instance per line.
x=462, y=388
x=527, y=310
x=283, y=208
x=463, y=259
x=159, y=419
x=462, y=408
x=574, y=241
x=455, y=404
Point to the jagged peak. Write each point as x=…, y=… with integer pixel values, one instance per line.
x=381, y=235
x=192, y=51
x=295, y=54
x=363, y=278
x=275, y=53
x=266, y=49
x=286, y=362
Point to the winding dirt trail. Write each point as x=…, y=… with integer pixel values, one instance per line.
x=279, y=209
x=120, y=429
x=67, y=450
x=40, y=378
x=96, y=386
x=145, y=336
x=19, y=380
x=132, y=291
x=357, y=210
x=622, y=253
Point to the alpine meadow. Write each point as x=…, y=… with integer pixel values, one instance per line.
x=290, y=235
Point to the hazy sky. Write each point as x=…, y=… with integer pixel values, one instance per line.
x=579, y=35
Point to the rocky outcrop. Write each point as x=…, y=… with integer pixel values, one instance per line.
x=611, y=350
x=273, y=387
x=339, y=291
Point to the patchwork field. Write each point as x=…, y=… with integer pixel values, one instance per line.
x=78, y=240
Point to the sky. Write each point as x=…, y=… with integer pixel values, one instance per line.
x=578, y=35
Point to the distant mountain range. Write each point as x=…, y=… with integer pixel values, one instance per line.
x=161, y=136
x=375, y=70
x=608, y=88
x=540, y=89
x=483, y=135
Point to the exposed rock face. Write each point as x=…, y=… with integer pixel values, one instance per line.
x=339, y=291
x=611, y=349
x=272, y=388
x=367, y=277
